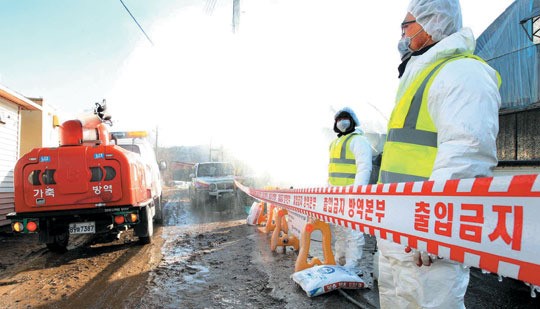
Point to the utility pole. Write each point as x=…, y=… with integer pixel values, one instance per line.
x=236, y=16
x=218, y=150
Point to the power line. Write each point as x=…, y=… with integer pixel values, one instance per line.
x=135, y=20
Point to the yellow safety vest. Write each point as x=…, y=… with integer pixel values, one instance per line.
x=411, y=143
x=342, y=166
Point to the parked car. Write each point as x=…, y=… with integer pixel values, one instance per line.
x=211, y=180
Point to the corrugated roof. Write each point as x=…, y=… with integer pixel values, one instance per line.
x=507, y=48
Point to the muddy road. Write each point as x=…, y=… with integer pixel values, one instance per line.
x=204, y=257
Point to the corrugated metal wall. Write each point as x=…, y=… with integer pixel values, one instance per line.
x=9, y=152
x=507, y=48
x=519, y=136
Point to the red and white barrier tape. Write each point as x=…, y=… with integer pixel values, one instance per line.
x=490, y=223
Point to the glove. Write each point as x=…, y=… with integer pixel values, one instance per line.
x=422, y=258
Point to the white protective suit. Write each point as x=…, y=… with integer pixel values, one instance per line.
x=463, y=102
x=349, y=243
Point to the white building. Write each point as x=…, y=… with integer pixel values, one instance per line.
x=21, y=119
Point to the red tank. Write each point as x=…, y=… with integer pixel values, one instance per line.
x=79, y=174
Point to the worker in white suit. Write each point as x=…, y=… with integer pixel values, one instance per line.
x=444, y=126
x=350, y=164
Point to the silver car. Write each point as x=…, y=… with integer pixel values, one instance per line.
x=211, y=179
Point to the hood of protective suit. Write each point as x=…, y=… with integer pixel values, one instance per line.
x=354, y=123
x=439, y=18
x=349, y=111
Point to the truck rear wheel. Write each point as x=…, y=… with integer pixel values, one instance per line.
x=145, y=229
x=159, y=210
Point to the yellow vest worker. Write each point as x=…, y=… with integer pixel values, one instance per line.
x=350, y=164
x=444, y=126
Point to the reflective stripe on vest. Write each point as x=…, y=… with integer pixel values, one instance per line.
x=342, y=166
x=411, y=145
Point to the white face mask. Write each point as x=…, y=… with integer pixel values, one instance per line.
x=343, y=125
x=404, y=49
x=404, y=46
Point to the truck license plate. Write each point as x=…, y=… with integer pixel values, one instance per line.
x=82, y=227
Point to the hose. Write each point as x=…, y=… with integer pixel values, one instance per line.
x=365, y=305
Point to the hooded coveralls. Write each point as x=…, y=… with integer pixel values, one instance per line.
x=350, y=164
x=460, y=106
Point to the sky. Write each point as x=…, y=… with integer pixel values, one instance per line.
x=267, y=93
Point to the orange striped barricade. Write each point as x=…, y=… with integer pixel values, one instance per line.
x=282, y=216
x=280, y=236
x=270, y=224
x=298, y=226
x=490, y=223
x=302, y=260
x=262, y=214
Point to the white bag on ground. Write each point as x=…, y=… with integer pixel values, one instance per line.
x=322, y=279
x=254, y=213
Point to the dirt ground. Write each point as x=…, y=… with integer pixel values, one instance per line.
x=205, y=257
x=200, y=258
x=87, y=276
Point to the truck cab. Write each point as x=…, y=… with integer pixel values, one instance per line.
x=136, y=142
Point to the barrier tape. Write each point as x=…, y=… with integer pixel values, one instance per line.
x=489, y=223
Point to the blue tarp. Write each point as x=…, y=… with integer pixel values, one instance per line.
x=506, y=47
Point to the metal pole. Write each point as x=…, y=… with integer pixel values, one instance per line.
x=236, y=16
